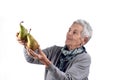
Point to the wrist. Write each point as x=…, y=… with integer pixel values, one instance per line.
x=47, y=63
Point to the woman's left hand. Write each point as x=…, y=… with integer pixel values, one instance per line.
x=40, y=56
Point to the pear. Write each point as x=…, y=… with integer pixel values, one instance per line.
x=31, y=42
x=23, y=32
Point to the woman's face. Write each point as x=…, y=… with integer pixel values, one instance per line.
x=73, y=37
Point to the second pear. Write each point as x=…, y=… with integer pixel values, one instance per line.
x=31, y=42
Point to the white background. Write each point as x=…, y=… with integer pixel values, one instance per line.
x=49, y=21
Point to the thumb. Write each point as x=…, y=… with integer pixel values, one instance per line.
x=17, y=34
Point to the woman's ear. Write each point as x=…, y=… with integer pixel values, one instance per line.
x=84, y=40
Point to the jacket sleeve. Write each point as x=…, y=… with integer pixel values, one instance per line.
x=30, y=59
x=79, y=70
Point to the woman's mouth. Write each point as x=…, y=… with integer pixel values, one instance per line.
x=68, y=38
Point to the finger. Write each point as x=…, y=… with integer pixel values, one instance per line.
x=22, y=43
x=32, y=53
x=29, y=53
x=17, y=34
x=21, y=40
x=35, y=57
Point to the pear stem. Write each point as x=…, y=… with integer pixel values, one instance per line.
x=29, y=30
x=21, y=22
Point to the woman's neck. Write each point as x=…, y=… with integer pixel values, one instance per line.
x=70, y=47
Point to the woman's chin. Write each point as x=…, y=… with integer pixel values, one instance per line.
x=67, y=43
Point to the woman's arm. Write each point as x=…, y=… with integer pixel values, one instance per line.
x=38, y=56
x=29, y=58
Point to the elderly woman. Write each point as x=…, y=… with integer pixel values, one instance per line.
x=70, y=62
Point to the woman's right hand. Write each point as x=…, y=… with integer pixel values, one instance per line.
x=22, y=42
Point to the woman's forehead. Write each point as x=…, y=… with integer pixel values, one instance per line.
x=76, y=27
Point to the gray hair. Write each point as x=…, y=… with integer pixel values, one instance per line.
x=87, y=29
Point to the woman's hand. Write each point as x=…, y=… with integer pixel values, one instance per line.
x=22, y=42
x=40, y=56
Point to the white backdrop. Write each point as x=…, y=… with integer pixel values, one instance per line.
x=49, y=21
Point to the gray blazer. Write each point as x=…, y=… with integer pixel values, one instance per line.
x=78, y=68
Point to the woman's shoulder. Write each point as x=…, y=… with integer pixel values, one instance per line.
x=56, y=48
x=83, y=57
x=53, y=48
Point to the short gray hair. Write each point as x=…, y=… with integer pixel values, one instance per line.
x=87, y=29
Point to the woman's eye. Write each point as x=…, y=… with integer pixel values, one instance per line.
x=74, y=32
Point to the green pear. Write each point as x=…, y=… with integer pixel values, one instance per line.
x=23, y=32
x=31, y=42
